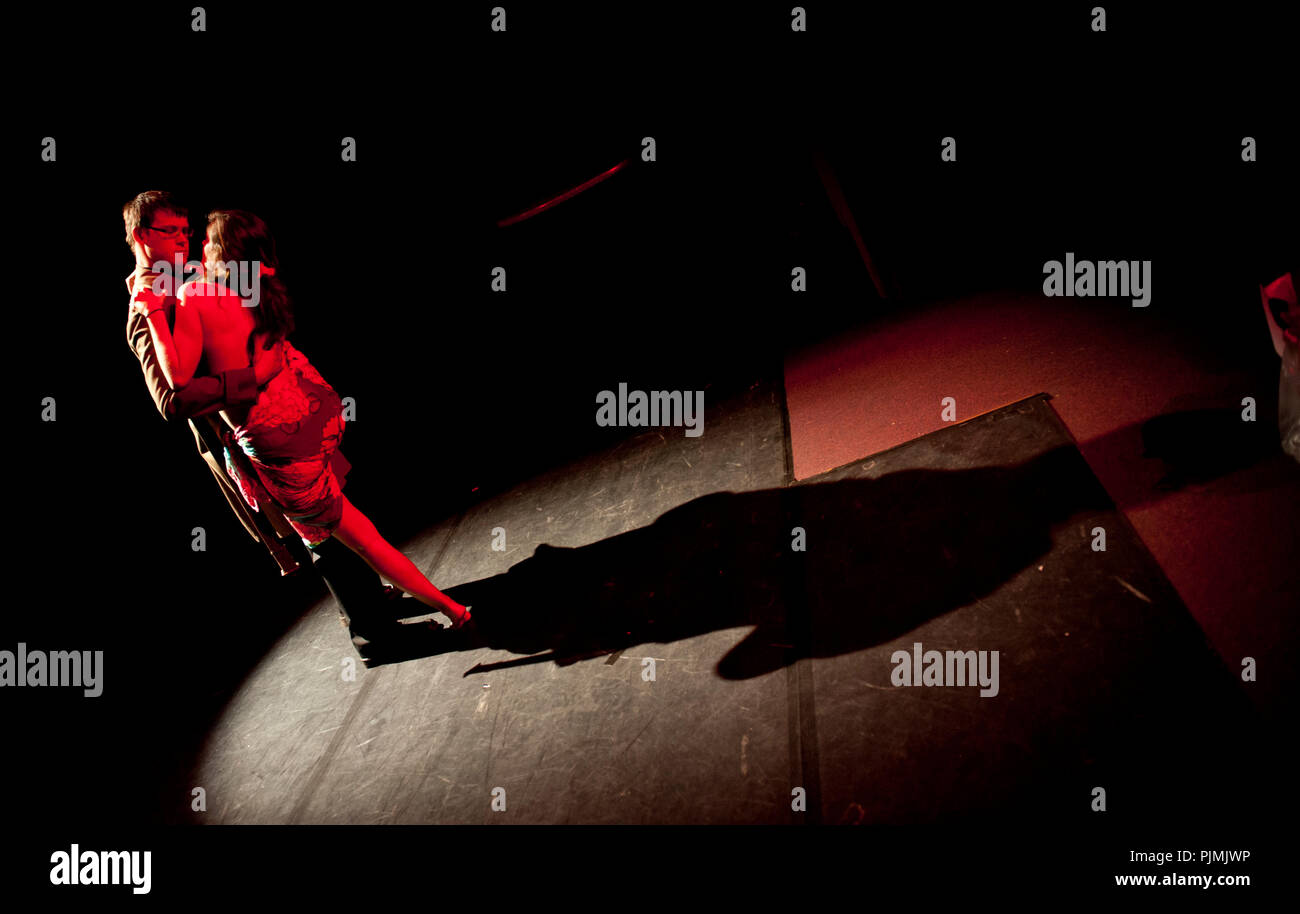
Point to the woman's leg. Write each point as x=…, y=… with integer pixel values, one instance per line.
x=357, y=533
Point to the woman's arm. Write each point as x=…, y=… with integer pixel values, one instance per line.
x=178, y=353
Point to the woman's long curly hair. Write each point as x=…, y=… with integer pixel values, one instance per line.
x=244, y=237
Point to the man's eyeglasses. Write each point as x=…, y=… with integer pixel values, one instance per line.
x=171, y=231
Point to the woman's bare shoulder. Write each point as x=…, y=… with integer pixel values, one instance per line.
x=196, y=289
x=208, y=297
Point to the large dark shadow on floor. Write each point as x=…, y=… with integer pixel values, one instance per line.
x=884, y=555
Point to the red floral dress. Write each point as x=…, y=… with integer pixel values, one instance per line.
x=289, y=440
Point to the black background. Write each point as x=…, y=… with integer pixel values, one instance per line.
x=669, y=275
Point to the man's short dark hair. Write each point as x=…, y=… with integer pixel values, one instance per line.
x=141, y=210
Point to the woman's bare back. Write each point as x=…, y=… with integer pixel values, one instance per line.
x=227, y=325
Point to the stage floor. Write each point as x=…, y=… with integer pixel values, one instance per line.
x=653, y=650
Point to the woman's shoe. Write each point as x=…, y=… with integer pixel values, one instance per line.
x=462, y=621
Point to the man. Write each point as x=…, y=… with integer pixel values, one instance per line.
x=157, y=230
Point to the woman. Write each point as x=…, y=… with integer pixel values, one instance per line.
x=291, y=433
